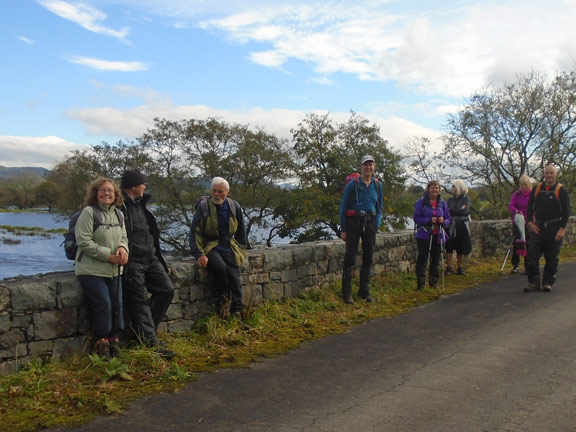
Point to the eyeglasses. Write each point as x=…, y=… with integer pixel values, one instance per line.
x=106, y=191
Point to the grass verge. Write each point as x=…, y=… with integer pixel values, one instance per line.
x=56, y=394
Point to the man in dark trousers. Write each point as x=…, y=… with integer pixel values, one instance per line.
x=146, y=272
x=360, y=216
x=217, y=241
x=548, y=214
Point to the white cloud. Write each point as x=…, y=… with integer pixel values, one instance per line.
x=268, y=58
x=132, y=123
x=26, y=40
x=452, y=51
x=19, y=151
x=84, y=15
x=109, y=65
x=450, y=48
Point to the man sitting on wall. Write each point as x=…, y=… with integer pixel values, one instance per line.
x=217, y=241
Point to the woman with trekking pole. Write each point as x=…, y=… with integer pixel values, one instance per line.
x=431, y=217
x=519, y=210
x=102, y=250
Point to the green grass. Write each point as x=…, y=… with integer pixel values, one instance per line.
x=31, y=231
x=56, y=394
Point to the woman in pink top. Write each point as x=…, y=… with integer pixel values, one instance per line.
x=519, y=205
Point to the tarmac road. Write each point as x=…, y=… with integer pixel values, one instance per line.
x=492, y=358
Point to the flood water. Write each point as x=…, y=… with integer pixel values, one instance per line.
x=34, y=253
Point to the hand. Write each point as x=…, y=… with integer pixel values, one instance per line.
x=123, y=254
x=343, y=236
x=114, y=259
x=440, y=220
x=560, y=233
x=533, y=227
x=203, y=261
x=434, y=220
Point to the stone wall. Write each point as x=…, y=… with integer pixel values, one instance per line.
x=46, y=315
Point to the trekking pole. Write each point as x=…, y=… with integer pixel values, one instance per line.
x=506, y=257
x=441, y=240
x=428, y=259
x=115, y=309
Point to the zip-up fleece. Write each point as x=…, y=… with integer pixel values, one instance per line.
x=94, y=247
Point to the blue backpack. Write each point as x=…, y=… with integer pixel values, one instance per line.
x=69, y=243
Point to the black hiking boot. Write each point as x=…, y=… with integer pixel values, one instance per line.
x=102, y=348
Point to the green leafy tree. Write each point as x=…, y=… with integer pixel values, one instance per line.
x=518, y=128
x=73, y=174
x=186, y=155
x=20, y=191
x=326, y=154
x=260, y=164
x=47, y=194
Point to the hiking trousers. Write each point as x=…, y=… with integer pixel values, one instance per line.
x=140, y=279
x=543, y=244
x=105, y=301
x=359, y=227
x=425, y=248
x=222, y=266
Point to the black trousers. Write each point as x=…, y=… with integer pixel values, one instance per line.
x=140, y=279
x=423, y=247
x=543, y=244
x=359, y=227
x=222, y=266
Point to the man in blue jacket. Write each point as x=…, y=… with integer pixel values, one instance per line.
x=360, y=217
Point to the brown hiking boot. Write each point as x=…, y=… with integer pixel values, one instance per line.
x=348, y=300
x=532, y=287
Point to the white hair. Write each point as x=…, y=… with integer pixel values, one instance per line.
x=460, y=187
x=216, y=181
x=525, y=179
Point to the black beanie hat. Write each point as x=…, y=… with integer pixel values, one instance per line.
x=132, y=178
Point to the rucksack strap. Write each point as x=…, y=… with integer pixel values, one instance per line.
x=97, y=216
x=205, y=209
x=356, y=181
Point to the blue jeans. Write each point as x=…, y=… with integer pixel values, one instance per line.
x=105, y=301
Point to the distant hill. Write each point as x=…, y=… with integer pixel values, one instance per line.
x=6, y=172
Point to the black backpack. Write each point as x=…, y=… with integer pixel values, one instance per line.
x=69, y=243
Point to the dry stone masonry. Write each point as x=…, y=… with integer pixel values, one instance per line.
x=46, y=315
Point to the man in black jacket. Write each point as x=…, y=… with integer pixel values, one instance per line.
x=548, y=213
x=146, y=271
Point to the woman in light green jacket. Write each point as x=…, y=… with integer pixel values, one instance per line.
x=102, y=251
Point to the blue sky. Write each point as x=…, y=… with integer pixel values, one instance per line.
x=78, y=73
